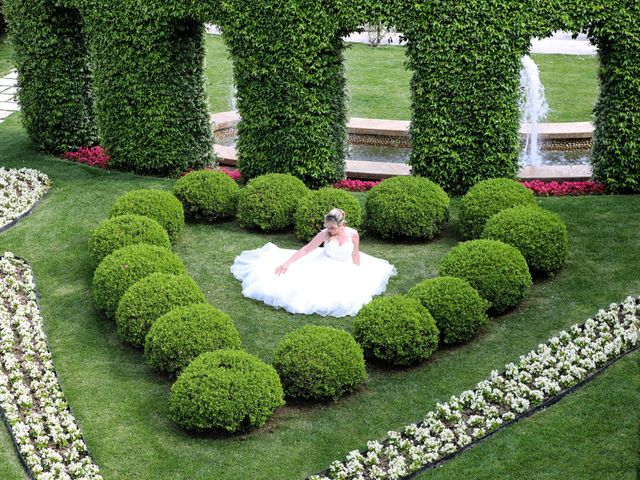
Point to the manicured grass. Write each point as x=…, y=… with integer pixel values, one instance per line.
x=122, y=406
x=571, y=85
x=6, y=51
x=10, y=467
x=571, y=440
x=378, y=84
x=218, y=75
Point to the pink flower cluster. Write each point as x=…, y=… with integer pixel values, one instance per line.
x=233, y=173
x=92, y=156
x=356, y=185
x=562, y=189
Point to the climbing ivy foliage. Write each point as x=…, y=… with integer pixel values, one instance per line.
x=616, y=146
x=289, y=73
x=147, y=57
x=54, y=79
x=148, y=82
x=3, y=24
x=465, y=59
x=615, y=28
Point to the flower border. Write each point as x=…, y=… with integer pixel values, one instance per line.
x=547, y=403
x=44, y=431
x=620, y=318
x=47, y=183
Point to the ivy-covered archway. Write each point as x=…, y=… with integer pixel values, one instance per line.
x=148, y=96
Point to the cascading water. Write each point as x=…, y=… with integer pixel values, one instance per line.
x=533, y=109
x=233, y=97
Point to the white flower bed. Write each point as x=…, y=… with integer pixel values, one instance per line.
x=542, y=374
x=19, y=191
x=31, y=400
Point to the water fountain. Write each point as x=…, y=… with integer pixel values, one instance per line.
x=533, y=109
x=379, y=148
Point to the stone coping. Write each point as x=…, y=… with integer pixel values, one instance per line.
x=400, y=128
x=376, y=170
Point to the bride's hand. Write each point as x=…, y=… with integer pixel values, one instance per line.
x=282, y=269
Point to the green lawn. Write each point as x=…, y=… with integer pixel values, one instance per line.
x=6, y=51
x=122, y=406
x=378, y=84
x=571, y=85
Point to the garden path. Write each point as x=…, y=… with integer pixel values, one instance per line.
x=8, y=100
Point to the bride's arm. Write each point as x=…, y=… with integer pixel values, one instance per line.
x=355, y=238
x=309, y=247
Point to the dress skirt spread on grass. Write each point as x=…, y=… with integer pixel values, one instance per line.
x=325, y=281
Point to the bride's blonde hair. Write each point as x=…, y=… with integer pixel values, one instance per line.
x=335, y=215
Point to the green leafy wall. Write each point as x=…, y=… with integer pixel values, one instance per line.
x=150, y=108
x=3, y=24
x=148, y=84
x=289, y=74
x=54, y=78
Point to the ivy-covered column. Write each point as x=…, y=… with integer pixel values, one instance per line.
x=148, y=85
x=614, y=27
x=465, y=60
x=289, y=74
x=53, y=74
x=616, y=142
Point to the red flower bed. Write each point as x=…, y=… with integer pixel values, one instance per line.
x=538, y=187
x=233, y=173
x=356, y=185
x=562, y=189
x=92, y=156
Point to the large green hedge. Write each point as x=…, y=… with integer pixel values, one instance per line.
x=616, y=146
x=289, y=73
x=51, y=56
x=465, y=59
x=3, y=23
x=149, y=86
x=147, y=60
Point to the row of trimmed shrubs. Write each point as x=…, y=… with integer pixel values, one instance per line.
x=313, y=362
x=400, y=207
x=143, y=285
x=490, y=274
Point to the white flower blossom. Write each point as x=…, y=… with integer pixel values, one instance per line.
x=19, y=191
x=563, y=361
x=33, y=404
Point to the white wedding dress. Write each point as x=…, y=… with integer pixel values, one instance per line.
x=325, y=281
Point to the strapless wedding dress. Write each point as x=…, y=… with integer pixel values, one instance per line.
x=325, y=281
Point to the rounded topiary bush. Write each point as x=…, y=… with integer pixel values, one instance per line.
x=182, y=334
x=540, y=235
x=486, y=198
x=150, y=298
x=309, y=217
x=124, y=267
x=457, y=308
x=225, y=390
x=162, y=206
x=496, y=270
x=396, y=330
x=406, y=207
x=269, y=202
x=207, y=194
x=319, y=363
x=118, y=232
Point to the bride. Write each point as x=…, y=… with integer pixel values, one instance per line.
x=335, y=281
